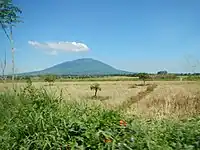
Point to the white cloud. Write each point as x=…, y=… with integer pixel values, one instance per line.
x=54, y=47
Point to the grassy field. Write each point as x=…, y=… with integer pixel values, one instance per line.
x=159, y=115
x=169, y=98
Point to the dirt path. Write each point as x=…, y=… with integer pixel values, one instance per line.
x=131, y=100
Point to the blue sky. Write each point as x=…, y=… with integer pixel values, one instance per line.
x=138, y=36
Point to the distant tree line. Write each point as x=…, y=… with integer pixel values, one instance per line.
x=147, y=76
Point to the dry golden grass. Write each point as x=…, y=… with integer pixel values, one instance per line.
x=116, y=91
x=169, y=99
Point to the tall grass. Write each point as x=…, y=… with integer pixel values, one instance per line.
x=177, y=106
x=32, y=119
x=134, y=99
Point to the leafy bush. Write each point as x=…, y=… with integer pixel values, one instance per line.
x=144, y=77
x=32, y=119
x=50, y=79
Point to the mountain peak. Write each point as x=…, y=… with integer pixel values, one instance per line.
x=80, y=59
x=83, y=66
x=84, y=60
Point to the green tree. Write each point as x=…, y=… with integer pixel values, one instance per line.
x=9, y=17
x=162, y=72
x=50, y=79
x=96, y=87
x=143, y=76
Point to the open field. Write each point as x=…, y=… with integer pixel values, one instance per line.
x=125, y=115
x=168, y=99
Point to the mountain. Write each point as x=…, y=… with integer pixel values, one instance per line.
x=85, y=66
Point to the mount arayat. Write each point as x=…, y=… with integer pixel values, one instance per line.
x=84, y=66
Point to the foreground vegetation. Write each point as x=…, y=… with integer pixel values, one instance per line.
x=30, y=118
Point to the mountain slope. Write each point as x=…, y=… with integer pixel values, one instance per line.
x=86, y=66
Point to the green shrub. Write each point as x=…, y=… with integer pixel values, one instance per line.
x=144, y=77
x=50, y=79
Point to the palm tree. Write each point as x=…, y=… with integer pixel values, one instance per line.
x=96, y=88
